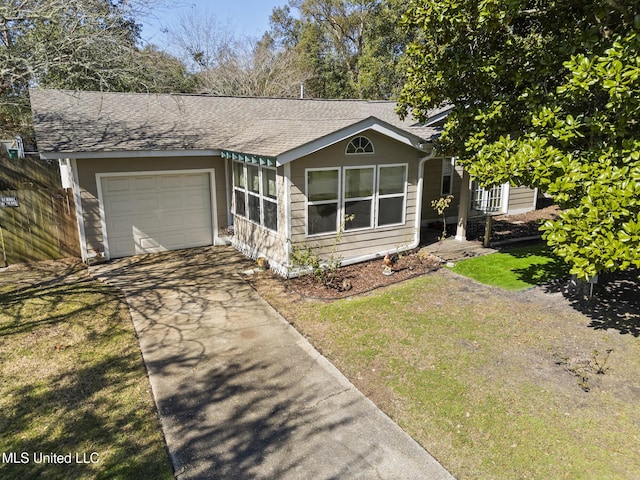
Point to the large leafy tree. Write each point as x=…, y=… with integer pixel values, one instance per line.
x=75, y=44
x=351, y=48
x=545, y=94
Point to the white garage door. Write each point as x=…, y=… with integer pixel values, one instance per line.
x=154, y=213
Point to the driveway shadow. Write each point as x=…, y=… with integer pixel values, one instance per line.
x=240, y=393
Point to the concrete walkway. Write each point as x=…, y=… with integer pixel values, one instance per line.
x=452, y=250
x=241, y=394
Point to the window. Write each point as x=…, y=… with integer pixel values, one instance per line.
x=392, y=192
x=269, y=199
x=486, y=201
x=255, y=194
x=358, y=197
x=447, y=176
x=375, y=197
x=239, y=190
x=359, y=145
x=322, y=200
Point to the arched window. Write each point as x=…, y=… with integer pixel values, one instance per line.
x=359, y=145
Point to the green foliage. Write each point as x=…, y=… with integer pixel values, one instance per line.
x=440, y=205
x=75, y=44
x=547, y=96
x=351, y=48
x=515, y=269
x=307, y=258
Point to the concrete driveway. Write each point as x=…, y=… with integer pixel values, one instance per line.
x=241, y=394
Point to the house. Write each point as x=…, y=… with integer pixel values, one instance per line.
x=160, y=172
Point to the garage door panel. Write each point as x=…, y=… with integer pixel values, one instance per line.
x=194, y=219
x=112, y=185
x=197, y=199
x=145, y=203
x=141, y=184
x=125, y=246
x=169, y=182
x=119, y=207
x=199, y=237
x=196, y=180
x=173, y=201
x=175, y=219
x=157, y=213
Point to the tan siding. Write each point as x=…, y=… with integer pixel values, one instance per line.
x=521, y=199
x=88, y=168
x=432, y=186
x=363, y=242
x=258, y=241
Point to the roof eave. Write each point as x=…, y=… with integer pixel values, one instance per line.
x=130, y=154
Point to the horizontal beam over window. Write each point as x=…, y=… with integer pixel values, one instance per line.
x=249, y=158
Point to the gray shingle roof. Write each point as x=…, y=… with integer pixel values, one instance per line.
x=68, y=121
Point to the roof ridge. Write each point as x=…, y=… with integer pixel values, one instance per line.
x=209, y=95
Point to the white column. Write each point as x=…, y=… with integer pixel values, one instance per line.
x=463, y=207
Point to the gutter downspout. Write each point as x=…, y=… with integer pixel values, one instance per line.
x=416, y=239
x=419, y=192
x=287, y=214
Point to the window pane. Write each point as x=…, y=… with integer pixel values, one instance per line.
x=391, y=180
x=447, y=174
x=358, y=182
x=238, y=174
x=322, y=218
x=360, y=145
x=446, y=184
x=270, y=214
x=239, y=199
x=254, y=208
x=390, y=210
x=253, y=179
x=322, y=185
x=269, y=183
x=361, y=210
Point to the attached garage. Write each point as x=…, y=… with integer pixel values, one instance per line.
x=146, y=213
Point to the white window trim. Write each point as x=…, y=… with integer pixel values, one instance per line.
x=341, y=200
x=393, y=195
x=504, y=199
x=372, y=197
x=247, y=192
x=373, y=147
x=338, y=200
x=450, y=161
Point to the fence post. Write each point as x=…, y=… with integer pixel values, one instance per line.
x=4, y=252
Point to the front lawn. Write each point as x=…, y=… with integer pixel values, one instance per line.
x=514, y=269
x=493, y=383
x=75, y=401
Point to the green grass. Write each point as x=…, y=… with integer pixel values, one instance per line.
x=515, y=269
x=473, y=375
x=72, y=381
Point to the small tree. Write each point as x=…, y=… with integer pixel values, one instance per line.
x=440, y=205
x=325, y=272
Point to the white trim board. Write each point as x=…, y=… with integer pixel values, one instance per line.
x=130, y=154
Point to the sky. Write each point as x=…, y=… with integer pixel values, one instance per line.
x=244, y=17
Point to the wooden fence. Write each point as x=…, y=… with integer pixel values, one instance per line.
x=37, y=216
